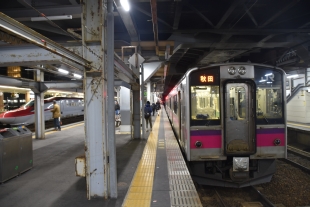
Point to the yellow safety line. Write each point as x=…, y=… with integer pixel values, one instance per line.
x=62, y=128
x=140, y=190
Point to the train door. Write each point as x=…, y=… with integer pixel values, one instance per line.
x=180, y=115
x=239, y=122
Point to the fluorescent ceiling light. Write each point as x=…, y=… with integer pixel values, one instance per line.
x=46, y=18
x=63, y=71
x=77, y=75
x=292, y=76
x=125, y=5
x=11, y=87
x=262, y=80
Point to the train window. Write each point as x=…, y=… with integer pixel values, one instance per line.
x=175, y=104
x=237, y=103
x=269, y=96
x=205, y=102
x=269, y=103
x=29, y=104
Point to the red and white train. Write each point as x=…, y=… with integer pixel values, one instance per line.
x=25, y=114
x=230, y=121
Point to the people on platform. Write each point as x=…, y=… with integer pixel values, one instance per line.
x=153, y=108
x=56, y=115
x=117, y=114
x=147, y=115
x=158, y=107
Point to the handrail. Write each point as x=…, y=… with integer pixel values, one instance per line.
x=295, y=91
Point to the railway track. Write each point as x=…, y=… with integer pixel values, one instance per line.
x=232, y=197
x=298, y=158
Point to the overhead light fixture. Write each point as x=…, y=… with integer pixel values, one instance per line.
x=292, y=76
x=12, y=87
x=77, y=75
x=63, y=71
x=125, y=5
x=46, y=18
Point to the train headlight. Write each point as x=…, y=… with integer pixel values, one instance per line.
x=232, y=70
x=198, y=144
x=277, y=142
x=241, y=70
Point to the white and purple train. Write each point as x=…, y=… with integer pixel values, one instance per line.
x=230, y=121
x=25, y=114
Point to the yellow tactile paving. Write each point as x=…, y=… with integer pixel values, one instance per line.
x=140, y=190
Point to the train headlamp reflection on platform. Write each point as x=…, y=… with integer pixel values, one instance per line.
x=240, y=164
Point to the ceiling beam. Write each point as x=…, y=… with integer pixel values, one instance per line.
x=155, y=26
x=200, y=14
x=231, y=31
x=73, y=10
x=19, y=30
x=177, y=15
x=280, y=11
x=128, y=22
x=150, y=15
x=228, y=12
x=250, y=15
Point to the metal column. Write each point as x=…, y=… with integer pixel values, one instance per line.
x=148, y=92
x=142, y=100
x=39, y=108
x=110, y=112
x=95, y=91
x=125, y=109
x=136, y=114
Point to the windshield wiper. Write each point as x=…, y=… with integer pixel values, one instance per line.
x=266, y=119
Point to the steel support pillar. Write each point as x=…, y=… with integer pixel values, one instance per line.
x=110, y=112
x=39, y=108
x=95, y=94
x=142, y=100
x=136, y=114
x=125, y=109
x=148, y=92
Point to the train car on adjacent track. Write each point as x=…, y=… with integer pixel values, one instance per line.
x=230, y=121
x=25, y=114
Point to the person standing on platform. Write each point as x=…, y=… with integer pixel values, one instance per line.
x=56, y=116
x=153, y=108
x=147, y=115
x=158, y=107
x=117, y=114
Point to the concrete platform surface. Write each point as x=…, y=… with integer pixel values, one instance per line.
x=52, y=180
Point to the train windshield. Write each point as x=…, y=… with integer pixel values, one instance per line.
x=269, y=96
x=205, y=102
x=29, y=104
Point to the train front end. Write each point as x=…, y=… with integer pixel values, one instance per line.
x=237, y=124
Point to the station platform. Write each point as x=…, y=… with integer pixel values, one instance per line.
x=300, y=126
x=150, y=172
